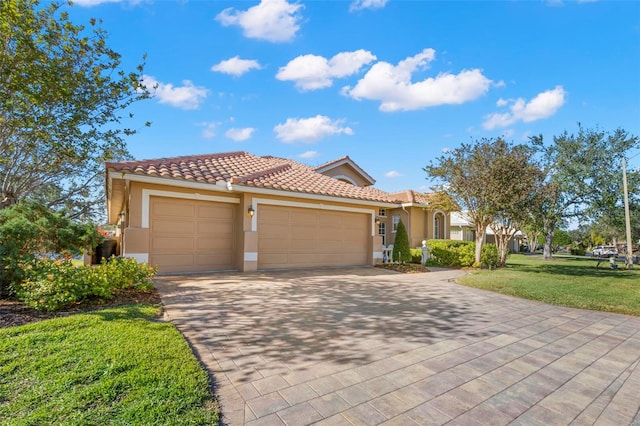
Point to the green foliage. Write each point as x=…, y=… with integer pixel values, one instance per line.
x=578, y=250
x=451, y=253
x=401, y=248
x=416, y=255
x=490, y=256
x=29, y=230
x=492, y=180
x=53, y=284
x=117, y=366
x=63, y=95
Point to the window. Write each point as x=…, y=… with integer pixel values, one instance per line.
x=396, y=221
x=382, y=231
x=436, y=227
x=382, y=212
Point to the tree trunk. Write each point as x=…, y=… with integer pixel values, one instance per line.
x=8, y=199
x=479, y=241
x=548, y=241
x=533, y=243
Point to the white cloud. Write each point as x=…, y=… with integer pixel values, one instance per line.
x=271, y=20
x=239, y=135
x=367, y=4
x=309, y=154
x=393, y=174
x=310, y=130
x=312, y=72
x=392, y=85
x=209, y=131
x=236, y=66
x=544, y=105
x=187, y=96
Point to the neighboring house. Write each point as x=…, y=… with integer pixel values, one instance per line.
x=462, y=228
x=239, y=211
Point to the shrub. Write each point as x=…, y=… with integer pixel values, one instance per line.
x=451, y=253
x=53, y=284
x=30, y=230
x=489, y=256
x=416, y=255
x=578, y=251
x=401, y=249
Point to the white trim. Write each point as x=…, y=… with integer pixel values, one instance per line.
x=140, y=257
x=250, y=256
x=222, y=186
x=283, y=203
x=347, y=178
x=147, y=193
x=349, y=161
x=444, y=224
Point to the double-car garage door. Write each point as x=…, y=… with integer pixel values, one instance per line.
x=193, y=235
x=290, y=237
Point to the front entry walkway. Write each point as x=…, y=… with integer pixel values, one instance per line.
x=365, y=346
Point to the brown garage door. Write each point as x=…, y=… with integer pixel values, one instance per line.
x=291, y=237
x=191, y=235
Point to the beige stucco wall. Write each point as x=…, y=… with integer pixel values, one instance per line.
x=136, y=237
x=346, y=170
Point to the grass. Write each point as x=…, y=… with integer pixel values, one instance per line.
x=566, y=281
x=113, y=366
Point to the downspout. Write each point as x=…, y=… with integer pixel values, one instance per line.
x=408, y=221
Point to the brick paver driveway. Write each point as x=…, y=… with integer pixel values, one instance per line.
x=368, y=346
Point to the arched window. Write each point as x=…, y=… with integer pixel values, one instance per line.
x=438, y=226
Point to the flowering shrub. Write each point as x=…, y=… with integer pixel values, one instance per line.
x=52, y=284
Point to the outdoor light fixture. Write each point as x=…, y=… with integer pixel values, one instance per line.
x=251, y=211
x=121, y=216
x=377, y=220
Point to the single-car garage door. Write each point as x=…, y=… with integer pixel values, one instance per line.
x=290, y=237
x=191, y=235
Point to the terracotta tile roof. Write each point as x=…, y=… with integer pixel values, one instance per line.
x=410, y=196
x=245, y=169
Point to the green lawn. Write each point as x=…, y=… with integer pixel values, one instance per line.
x=114, y=366
x=566, y=280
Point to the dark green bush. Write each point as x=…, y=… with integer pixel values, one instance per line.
x=30, y=230
x=578, y=251
x=53, y=284
x=401, y=248
x=489, y=256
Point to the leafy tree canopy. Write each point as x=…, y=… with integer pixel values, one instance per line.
x=63, y=96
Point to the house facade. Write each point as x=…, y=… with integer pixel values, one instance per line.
x=462, y=228
x=238, y=211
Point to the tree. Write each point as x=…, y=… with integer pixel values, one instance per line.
x=401, y=248
x=493, y=181
x=30, y=230
x=582, y=176
x=62, y=100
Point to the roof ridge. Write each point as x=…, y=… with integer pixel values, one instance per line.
x=261, y=173
x=184, y=157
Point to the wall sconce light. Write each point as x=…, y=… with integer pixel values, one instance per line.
x=377, y=220
x=121, y=216
x=251, y=211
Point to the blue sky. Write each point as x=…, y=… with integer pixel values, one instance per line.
x=392, y=84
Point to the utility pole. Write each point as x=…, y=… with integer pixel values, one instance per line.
x=627, y=216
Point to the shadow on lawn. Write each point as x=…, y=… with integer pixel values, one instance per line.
x=585, y=268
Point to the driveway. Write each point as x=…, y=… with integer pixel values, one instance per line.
x=368, y=346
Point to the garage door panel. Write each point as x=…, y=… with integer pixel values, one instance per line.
x=169, y=209
x=191, y=235
x=224, y=213
x=159, y=243
x=311, y=237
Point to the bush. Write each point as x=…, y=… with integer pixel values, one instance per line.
x=489, y=256
x=452, y=253
x=53, y=284
x=416, y=255
x=401, y=248
x=578, y=251
x=30, y=230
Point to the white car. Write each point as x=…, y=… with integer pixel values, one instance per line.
x=605, y=251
